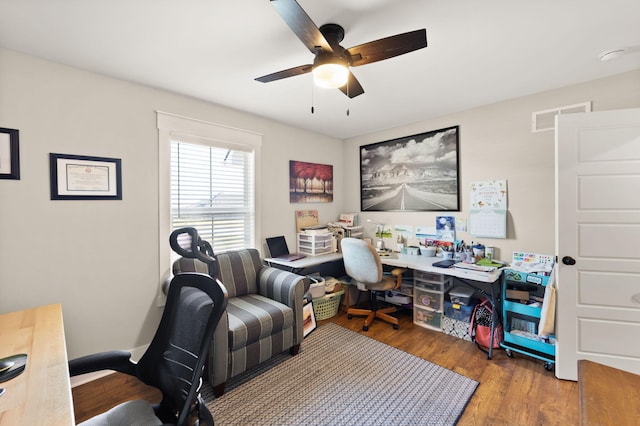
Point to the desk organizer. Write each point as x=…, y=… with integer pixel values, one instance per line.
x=428, y=298
x=315, y=244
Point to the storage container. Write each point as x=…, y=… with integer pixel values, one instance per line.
x=407, y=288
x=428, y=285
x=427, y=318
x=459, y=312
x=317, y=289
x=428, y=251
x=428, y=299
x=524, y=277
x=457, y=328
x=429, y=276
x=397, y=298
x=461, y=295
x=327, y=306
x=315, y=244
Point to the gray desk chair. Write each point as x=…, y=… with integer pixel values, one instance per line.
x=363, y=265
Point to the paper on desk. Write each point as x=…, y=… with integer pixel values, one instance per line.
x=474, y=267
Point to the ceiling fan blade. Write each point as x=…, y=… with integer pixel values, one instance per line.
x=353, y=87
x=291, y=72
x=302, y=26
x=388, y=47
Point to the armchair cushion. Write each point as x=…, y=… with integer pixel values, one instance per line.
x=186, y=264
x=253, y=317
x=239, y=271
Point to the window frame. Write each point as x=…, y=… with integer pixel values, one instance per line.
x=172, y=126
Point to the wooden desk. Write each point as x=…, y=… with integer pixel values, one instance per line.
x=41, y=395
x=608, y=396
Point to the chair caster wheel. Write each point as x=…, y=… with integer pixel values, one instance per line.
x=365, y=328
x=349, y=316
x=396, y=326
x=548, y=366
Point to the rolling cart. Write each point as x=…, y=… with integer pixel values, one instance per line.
x=522, y=295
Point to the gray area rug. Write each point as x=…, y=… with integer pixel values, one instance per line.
x=343, y=378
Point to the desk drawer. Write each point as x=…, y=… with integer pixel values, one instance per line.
x=428, y=299
x=435, y=286
x=429, y=277
x=427, y=318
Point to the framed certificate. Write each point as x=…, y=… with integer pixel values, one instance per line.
x=78, y=177
x=9, y=154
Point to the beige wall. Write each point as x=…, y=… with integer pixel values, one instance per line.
x=99, y=259
x=496, y=142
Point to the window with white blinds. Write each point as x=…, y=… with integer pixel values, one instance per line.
x=212, y=190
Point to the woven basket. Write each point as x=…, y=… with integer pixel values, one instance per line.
x=327, y=306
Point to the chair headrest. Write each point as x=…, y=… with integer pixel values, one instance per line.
x=187, y=243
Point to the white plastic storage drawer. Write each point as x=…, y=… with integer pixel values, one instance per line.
x=427, y=318
x=315, y=244
x=435, y=286
x=428, y=299
x=429, y=276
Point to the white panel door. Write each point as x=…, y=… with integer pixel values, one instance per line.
x=598, y=228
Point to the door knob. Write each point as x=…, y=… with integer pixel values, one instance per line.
x=568, y=260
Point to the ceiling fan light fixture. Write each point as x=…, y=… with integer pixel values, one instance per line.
x=331, y=74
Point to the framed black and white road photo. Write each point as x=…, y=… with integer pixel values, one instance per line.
x=412, y=173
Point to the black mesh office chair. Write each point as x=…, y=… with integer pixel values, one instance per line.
x=175, y=359
x=188, y=244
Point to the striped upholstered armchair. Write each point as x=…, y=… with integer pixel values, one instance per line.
x=263, y=317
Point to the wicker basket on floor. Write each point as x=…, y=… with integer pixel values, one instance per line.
x=327, y=306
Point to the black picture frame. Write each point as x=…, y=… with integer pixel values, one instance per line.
x=420, y=172
x=9, y=153
x=81, y=177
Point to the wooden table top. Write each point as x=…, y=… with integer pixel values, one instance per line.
x=41, y=395
x=608, y=396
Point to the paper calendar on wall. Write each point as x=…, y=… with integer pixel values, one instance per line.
x=488, y=210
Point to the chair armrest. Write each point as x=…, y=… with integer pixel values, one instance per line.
x=286, y=288
x=280, y=285
x=397, y=272
x=112, y=360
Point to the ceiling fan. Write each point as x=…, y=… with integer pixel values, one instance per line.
x=332, y=63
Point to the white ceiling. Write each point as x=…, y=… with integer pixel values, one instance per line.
x=479, y=52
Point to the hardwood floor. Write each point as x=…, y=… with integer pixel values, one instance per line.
x=512, y=391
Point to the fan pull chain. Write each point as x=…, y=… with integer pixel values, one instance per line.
x=348, y=98
x=312, y=101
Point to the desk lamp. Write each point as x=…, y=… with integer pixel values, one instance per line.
x=379, y=229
